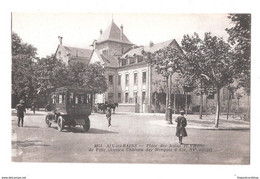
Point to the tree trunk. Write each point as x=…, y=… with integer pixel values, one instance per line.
x=228, y=104
x=201, y=100
x=238, y=104
x=174, y=107
x=167, y=97
x=206, y=106
x=186, y=104
x=248, y=107
x=218, y=108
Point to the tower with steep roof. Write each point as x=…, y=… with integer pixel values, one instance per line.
x=112, y=41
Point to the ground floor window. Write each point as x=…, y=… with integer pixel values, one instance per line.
x=119, y=97
x=126, y=97
x=143, y=97
x=111, y=97
x=135, y=97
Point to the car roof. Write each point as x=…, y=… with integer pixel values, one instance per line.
x=73, y=89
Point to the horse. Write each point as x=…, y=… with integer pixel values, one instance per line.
x=113, y=106
x=103, y=106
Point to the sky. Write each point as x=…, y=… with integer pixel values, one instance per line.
x=80, y=29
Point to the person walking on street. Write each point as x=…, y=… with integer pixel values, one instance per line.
x=108, y=115
x=20, y=112
x=180, y=128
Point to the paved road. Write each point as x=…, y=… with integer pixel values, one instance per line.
x=131, y=139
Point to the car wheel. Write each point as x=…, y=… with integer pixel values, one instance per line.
x=87, y=125
x=47, y=120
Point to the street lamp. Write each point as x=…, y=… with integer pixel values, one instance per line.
x=169, y=107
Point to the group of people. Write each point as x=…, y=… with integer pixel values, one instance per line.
x=180, y=120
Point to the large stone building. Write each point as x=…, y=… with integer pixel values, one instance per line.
x=132, y=82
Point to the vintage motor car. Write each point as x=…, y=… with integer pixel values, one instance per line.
x=71, y=106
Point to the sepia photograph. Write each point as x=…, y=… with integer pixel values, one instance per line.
x=131, y=88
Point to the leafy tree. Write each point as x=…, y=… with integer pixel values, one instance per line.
x=50, y=73
x=94, y=78
x=23, y=57
x=240, y=39
x=88, y=75
x=166, y=62
x=76, y=73
x=212, y=59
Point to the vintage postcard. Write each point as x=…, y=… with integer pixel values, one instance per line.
x=131, y=88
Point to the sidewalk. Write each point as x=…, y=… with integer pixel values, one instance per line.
x=207, y=123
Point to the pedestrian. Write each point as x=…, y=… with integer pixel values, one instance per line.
x=33, y=107
x=20, y=112
x=180, y=128
x=108, y=115
x=48, y=107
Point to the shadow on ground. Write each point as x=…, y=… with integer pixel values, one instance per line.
x=30, y=114
x=81, y=130
x=36, y=127
x=29, y=143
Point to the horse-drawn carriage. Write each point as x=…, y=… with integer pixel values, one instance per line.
x=71, y=106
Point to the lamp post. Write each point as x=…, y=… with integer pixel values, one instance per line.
x=169, y=108
x=166, y=62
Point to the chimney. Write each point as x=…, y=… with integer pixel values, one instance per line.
x=60, y=40
x=121, y=32
x=151, y=44
x=101, y=31
x=94, y=44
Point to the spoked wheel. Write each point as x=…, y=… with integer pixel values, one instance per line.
x=47, y=121
x=60, y=123
x=87, y=125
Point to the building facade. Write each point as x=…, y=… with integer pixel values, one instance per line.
x=132, y=82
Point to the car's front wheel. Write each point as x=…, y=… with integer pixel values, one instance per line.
x=87, y=125
x=48, y=121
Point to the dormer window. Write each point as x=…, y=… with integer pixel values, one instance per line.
x=132, y=60
x=139, y=59
x=123, y=62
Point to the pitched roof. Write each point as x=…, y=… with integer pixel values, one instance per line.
x=112, y=33
x=108, y=60
x=78, y=52
x=155, y=47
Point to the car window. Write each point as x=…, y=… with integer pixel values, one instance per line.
x=53, y=98
x=76, y=99
x=60, y=98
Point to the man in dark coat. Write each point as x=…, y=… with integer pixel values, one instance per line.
x=20, y=112
x=108, y=115
x=180, y=128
